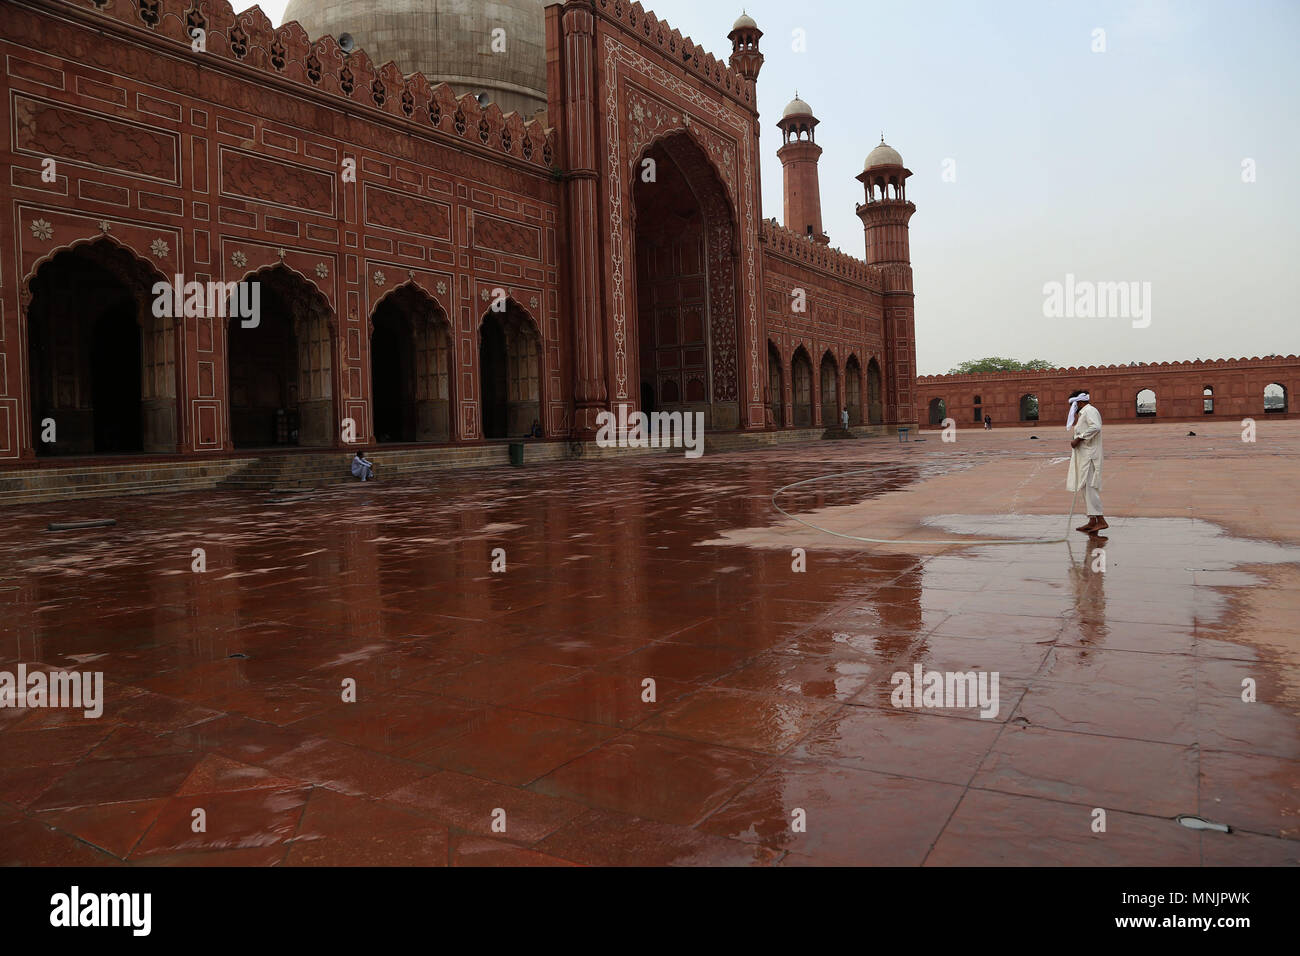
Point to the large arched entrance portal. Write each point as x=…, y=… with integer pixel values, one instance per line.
x=510, y=373
x=281, y=368
x=101, y=365
x=686, y=283
x=410, y=368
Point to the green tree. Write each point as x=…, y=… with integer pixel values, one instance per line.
x=996, y=364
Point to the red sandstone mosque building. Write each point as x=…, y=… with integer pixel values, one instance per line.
x=430, y=268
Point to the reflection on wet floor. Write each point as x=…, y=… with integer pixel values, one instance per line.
x=525, y=689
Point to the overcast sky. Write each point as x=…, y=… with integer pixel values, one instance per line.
x=1123, y=165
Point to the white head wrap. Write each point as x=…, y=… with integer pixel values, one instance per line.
x=1074, y=407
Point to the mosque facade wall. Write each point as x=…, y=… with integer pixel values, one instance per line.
x=268, y=153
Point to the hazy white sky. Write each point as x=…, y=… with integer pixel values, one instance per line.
x=1124, y=165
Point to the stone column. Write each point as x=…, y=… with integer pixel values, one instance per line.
x=582, y=204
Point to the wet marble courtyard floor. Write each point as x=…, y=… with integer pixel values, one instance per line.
x=500, y=716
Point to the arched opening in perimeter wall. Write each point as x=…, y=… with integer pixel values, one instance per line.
x=686, y=270
x=1029, y=407
x=1275, y=398
x=1145, y=403
x=938, y=411
x=101, y=365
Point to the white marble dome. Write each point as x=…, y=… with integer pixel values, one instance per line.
x=883, y=155
x=449, y=41
x=796, y=107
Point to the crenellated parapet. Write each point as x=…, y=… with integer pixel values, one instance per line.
x=790, y=244
x=321, y=66
x=697, y=61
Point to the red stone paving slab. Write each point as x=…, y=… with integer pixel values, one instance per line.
x=929, y=747
x=1251, y=792
x=271, y=855
x=332, y=814
x=679, y=662
x=217, y=774
x=23, y=785
x=343, y=768
x=765, y=723
x=27, y=842
x=471, y=804
x=660, y=778
x=114, y=827
x=117, y=780
x=850, y=817
x=34, y=748
x=603, y=838
x=998, y=829
x=233, y=821
x=881, y=693
x=421, y=847
x=477, y=851
x=1160, y=713
x=399, y=723
x=514, y=746
x=241, y=738
x=497, y=680
x=1224, y=721
x=610, y=699
x=1138, y=776
x=1120, y=636
x=1248, y=849
x=815, y=678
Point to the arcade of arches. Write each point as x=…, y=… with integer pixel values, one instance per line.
x=864, y=407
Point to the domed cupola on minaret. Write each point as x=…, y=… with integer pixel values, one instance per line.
x=745, y=56
x=886, y=212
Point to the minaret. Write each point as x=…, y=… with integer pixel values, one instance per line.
x=799, y=154
x=885, y=216
x=744, y=37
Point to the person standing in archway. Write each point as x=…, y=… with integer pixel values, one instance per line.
x=1086, y=459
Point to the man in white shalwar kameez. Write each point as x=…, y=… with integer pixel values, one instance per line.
x=1086, y=458
x=362, y=467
